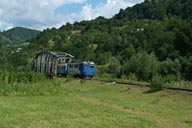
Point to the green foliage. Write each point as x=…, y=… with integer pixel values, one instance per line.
x=170, y=78
x=183, y=30
x=143, y=65
x=21, y=77
x=156, y=84
x=179, y=84
x=114, y=66
x=169, y=67
x=171, y=71
x=30, y=89
x=27, y=83
x=157, y=9
x=132, y=77
x=188, y=70
x=20, y=34
x=101, y=70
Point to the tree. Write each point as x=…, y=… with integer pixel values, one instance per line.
x=144, y=65
x=182, y=30
x=114, y=66
x=169, y=67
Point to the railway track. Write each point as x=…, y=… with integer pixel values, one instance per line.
x=146, y=86
x=179, y=89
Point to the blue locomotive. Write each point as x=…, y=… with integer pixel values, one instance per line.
x=77, y=68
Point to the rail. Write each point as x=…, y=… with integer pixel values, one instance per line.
x=140, y=85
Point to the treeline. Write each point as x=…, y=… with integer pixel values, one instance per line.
x=158, y=9
x=148, y=39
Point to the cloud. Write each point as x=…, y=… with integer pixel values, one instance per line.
x=40, y=14
x=33, y=13
x=107, y=9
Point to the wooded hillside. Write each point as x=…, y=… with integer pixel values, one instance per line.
x=19, y=34
x=151, y=38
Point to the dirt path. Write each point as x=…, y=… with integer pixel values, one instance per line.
x=165, y=123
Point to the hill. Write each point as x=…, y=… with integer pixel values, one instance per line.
x=157, y=9
x=20, y=34
x=151, y=38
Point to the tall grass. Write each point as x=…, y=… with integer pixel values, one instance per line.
x=27, y=84
x=31, y=89
x=21, y=77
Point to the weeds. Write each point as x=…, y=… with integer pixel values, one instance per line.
x=82, y=81
x=27, y=84
x=21, y=77
x=31, y=89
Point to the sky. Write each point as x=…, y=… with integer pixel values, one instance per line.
x=42, y=14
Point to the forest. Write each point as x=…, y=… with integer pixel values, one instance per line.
x=153, y=38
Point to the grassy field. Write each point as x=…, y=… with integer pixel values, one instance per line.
x=95, y=104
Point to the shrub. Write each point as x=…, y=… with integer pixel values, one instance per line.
x=169, y=78
x=143, y=65
x=156, y=84
x=100, y=70
x=114, y=66
x=170, y=67
x=132, y=77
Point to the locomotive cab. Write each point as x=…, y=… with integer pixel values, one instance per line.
x=87, y=69
x=81, y=68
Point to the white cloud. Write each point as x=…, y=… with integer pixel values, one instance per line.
x=31, y=13
x=40, y=14
x=108, y=9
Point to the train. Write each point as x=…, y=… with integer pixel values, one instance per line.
x=77, y=69
x=56, y=63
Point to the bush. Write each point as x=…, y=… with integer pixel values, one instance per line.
x=132, y=77
x=170, y=78
x=170, y=67
x=114, y=66
x=156, y=84
x=100, y=70
x=143, y=65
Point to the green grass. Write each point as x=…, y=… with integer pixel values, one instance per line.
x=178, y=84
x=95, y=104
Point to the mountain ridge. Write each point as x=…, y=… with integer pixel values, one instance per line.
x=20, y=34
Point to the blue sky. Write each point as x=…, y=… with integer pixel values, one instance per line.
x=77, y=7
x=42, y=14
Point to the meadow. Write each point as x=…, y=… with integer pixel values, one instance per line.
x=94, y=104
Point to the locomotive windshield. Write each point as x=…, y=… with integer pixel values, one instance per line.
x=92, y=66
x=88, y=65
